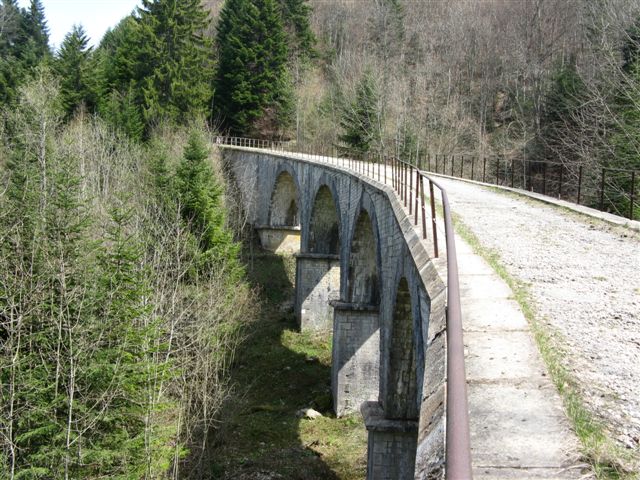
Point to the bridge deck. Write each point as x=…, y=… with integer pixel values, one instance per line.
x=582, y=277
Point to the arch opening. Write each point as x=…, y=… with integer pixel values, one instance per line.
x=283, y=211
x=324, y=227
x=363, y=279
x=403, y=402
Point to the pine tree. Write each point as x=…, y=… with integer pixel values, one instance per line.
x=296, y=18
x=562, y=103
x=200, y=199
x=252, y=92
x=360, y=120
x=179, y=58
x=72, y=64
x=37, y=30
x=11, y=68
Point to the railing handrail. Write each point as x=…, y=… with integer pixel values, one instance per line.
x=457, y=443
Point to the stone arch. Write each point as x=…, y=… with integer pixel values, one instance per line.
x=284, y=210
x=324, y=225
x=363, y=280
x=402, y=399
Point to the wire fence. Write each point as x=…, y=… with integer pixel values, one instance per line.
x=607, y=189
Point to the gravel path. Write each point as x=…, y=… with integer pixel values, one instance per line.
x=584, y=277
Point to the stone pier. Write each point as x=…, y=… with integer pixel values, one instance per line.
x=317, y=284
x=355, y=364
x=391, y=452
x=279, y=239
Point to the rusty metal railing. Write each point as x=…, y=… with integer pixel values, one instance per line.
x=608, y=189
x=408, y=181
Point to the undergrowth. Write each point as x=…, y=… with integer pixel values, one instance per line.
x=278, y=372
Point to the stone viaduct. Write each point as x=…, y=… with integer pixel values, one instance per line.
x=362, y=272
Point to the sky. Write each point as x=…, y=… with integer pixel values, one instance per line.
x=96, y=16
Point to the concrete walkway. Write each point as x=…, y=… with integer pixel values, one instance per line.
x=518, y=427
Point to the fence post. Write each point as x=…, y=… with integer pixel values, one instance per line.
x=544, y=178
x=473, y=164
x=560, y=184
x=579, y=183
x=433, y=220
x=604, y=172
x=512, y=164
x=484, y=169
x=417, y=193
x=424, y=216
x=410, y=190
x=633, y=187
x=497, y=170
x=453, y=159
x=462, y=166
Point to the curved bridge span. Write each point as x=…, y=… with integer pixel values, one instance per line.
x=362, y=272
x=368, y=270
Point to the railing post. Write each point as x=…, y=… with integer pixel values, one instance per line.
x=604, y=172
x=462, y=166
x=417, y=193
x=424, y=216
x=633, y=187
x=410, y=190
x=453, y=159
x=433, y=220
x=484, y=169
x=404, y=182
x=512, y=170
x=544, y=178
x=497, y=170
x=473, y=164
x=579, y=184
x=560, y=183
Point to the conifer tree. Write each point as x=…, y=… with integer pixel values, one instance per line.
x=295, y=16
x=200, y=199
x=360, y=119
x=72, y=64
x=252, y=92
x=178, y=56
x=36, y=29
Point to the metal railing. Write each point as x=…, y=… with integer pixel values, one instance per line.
x=408, y=181
x=607, y=189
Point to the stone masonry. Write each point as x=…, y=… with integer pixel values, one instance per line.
x=317, y=285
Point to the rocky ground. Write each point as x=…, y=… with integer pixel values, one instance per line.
x=584, y=277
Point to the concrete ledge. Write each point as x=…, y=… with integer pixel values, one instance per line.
x=285, y=228
x=357, y=307
x=588, y=211
x=375, y=420
x=318, y=256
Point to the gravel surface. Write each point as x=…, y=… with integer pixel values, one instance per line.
x=584, y=277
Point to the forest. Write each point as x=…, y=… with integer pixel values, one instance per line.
x=123, y=287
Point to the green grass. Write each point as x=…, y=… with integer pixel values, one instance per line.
x=278, y=371
x=608, y=460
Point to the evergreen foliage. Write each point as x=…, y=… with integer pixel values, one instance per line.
x=360, y=120
x=252, y=88
x=73, y=66
x=562, y=103
x=295, y=16
x=201, y=204
x=24, y=44
x=178, y=57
